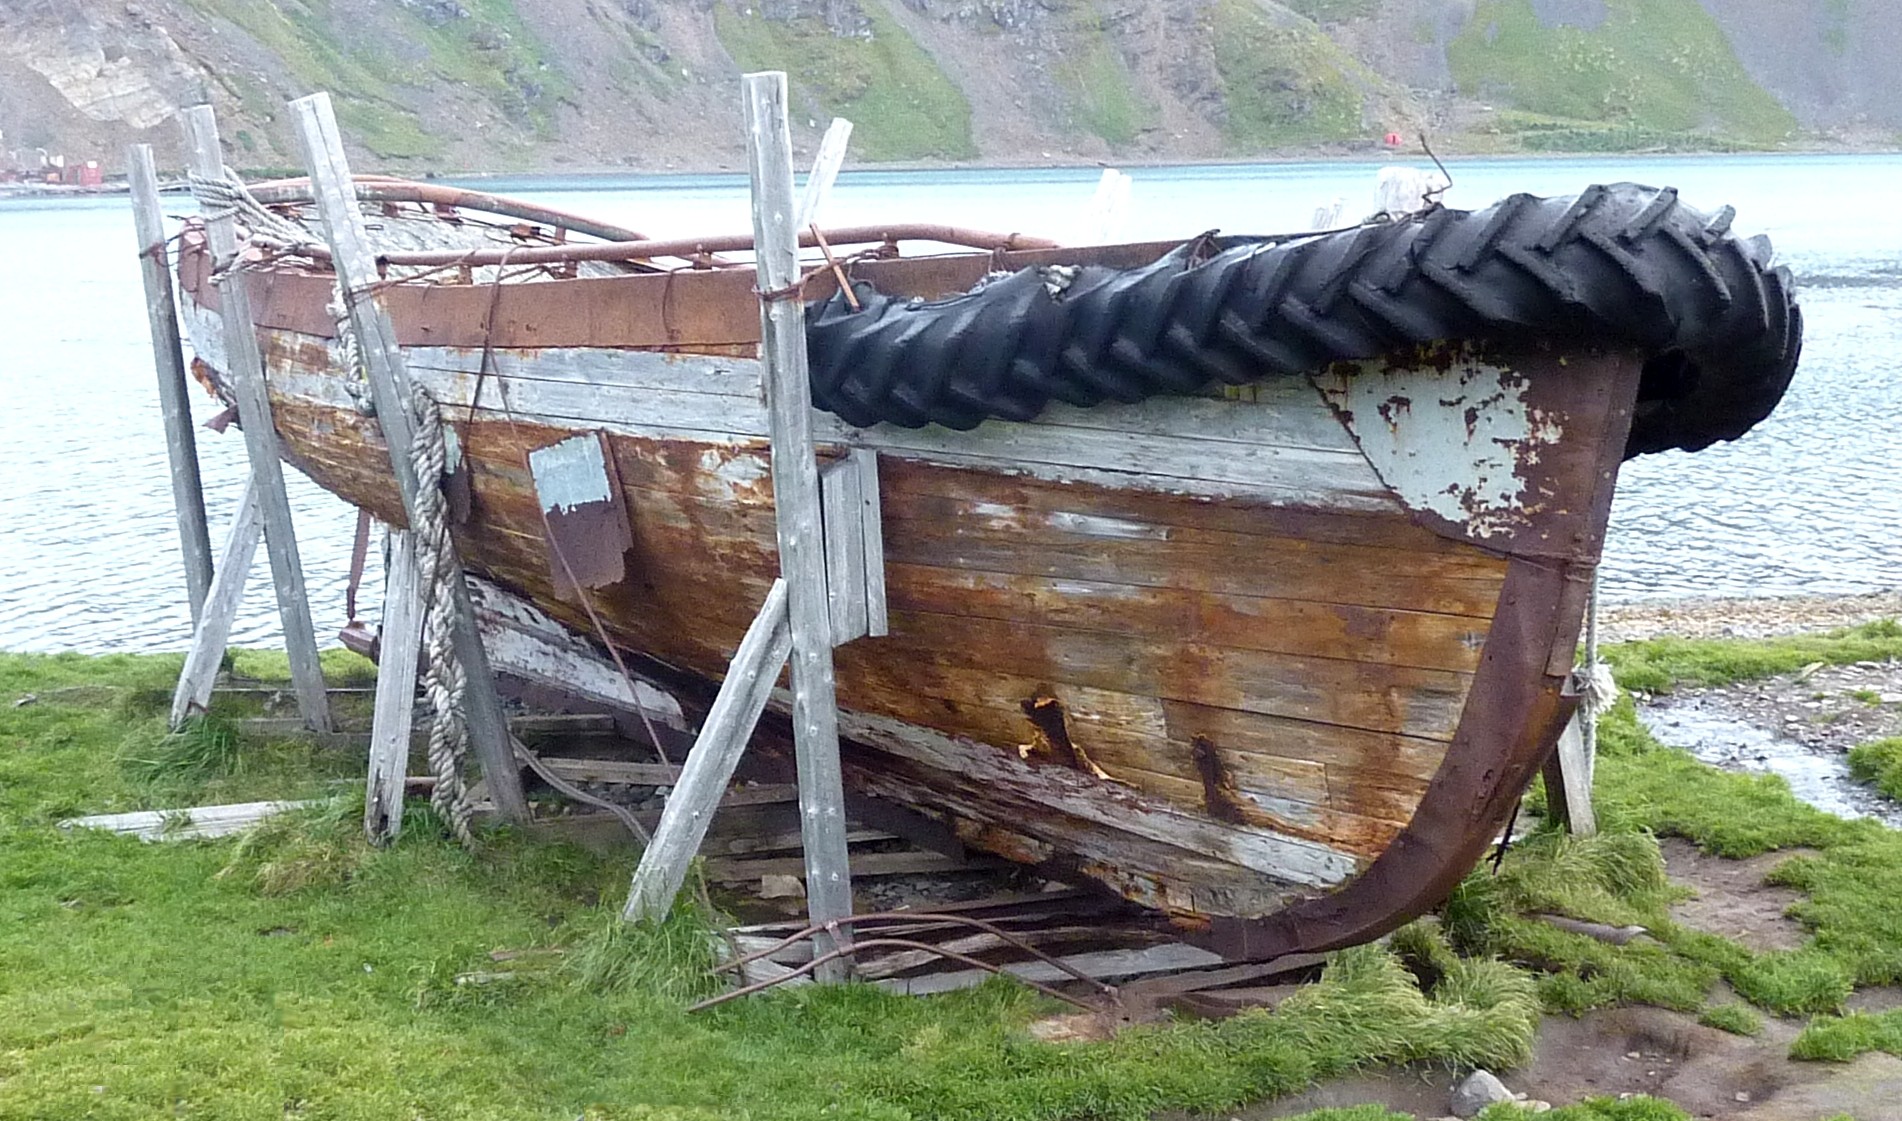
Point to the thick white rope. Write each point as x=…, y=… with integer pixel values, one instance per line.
x=442, y=671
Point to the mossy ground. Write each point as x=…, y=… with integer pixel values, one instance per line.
x=299, y=972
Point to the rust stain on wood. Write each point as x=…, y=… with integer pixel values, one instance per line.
x=1218, y=786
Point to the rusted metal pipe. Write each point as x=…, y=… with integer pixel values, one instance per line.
x=692, y=246
x=377, y=188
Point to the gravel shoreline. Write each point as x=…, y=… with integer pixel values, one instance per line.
x=1742, y=618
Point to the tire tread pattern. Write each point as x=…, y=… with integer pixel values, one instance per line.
x=1619, y=265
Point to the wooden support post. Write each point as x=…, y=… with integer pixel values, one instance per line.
x=796, y=501
x=260, y=434
x=181, y=441
x=335, y=194
x=1571, y=800
x=193, y=693
x=716, y=752
x=395, y=692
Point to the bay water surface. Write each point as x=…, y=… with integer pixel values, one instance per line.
x=1808, y=503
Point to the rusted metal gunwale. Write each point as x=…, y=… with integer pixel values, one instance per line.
x=687, y=310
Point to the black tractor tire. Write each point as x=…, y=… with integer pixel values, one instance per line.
x=1616, y=266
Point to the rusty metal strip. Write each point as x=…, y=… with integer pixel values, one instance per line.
x=1509, y=727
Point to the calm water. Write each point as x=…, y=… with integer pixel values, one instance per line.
x=1807, y=503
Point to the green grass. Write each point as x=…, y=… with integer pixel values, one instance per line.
x=1661, y=68
x=1841, y=1038
x=300, y=972
x=1879, y=764
x=902, y=107
x=1656, y=666
x=1286, y=82
x=1644, y=789
x=1737, y=1019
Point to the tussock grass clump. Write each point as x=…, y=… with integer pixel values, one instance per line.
x=314, y=847
x=1482, y=1013
x=206, y=747
x=672, y=959
x=1737, y=1019
x=1794, y=981
x=1879, y=764
x=1839, y=1039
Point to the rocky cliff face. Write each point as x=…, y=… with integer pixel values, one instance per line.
x=550, y=84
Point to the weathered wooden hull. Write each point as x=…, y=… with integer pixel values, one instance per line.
x=1276, y=662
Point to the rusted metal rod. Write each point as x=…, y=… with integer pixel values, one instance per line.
x=379, y=188
x=693, y=246
x=898, y=943
x=935, y=918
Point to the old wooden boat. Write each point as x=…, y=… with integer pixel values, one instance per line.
x=1242, y=576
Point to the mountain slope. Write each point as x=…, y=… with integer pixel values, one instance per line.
x=547, y=84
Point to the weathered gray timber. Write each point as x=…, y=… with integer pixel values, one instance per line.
x=796, y=502
x=322, y=145
x=402, y=642
x=825, y=169
x=872, y=540
x=195, y=681
x=190, y=824
x=168, y=357
x=844, y=516
x=709, y=767
x=260, y=435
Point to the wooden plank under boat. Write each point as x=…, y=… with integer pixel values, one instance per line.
x=1274, y=656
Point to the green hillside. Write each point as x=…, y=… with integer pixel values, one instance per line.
x=1654, y=73
x=902, y=107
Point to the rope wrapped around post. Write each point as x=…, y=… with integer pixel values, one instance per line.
x=443, y=672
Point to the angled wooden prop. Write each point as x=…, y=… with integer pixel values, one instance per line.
x=335, y=192
x=716, y=752
x=181, y=442
x=401, y=645
x=193, y=693
x=260, y=434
